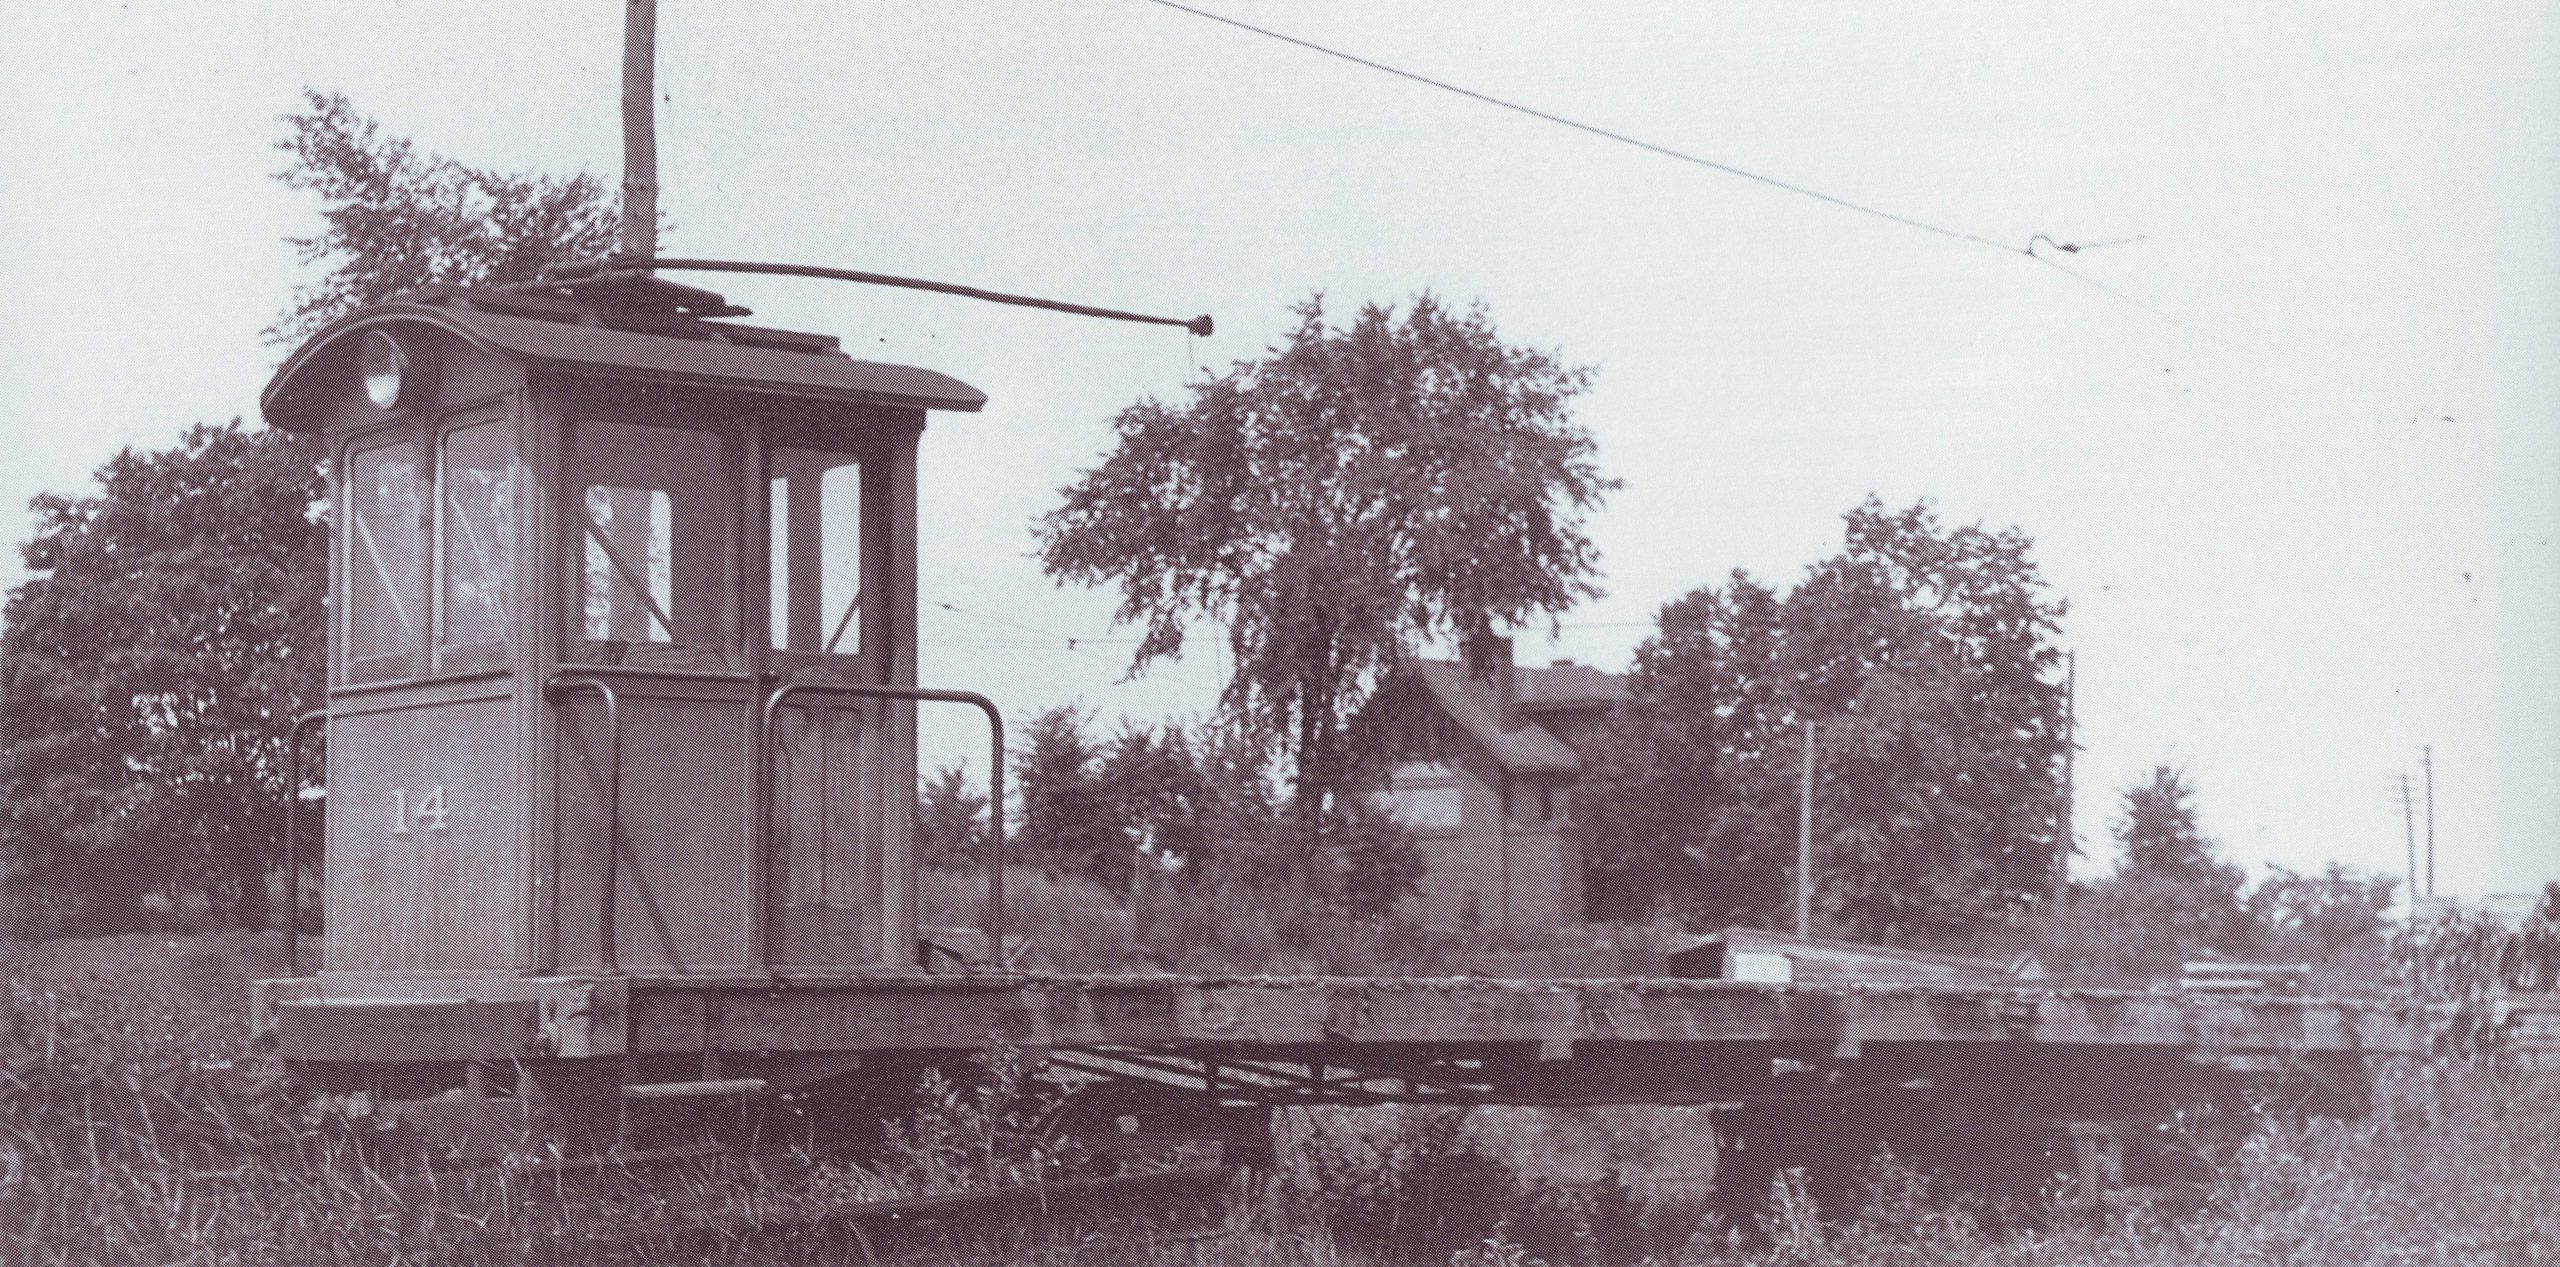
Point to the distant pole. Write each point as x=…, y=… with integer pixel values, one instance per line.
x=640, y=127
x=2409, y=827
x=2069, y=835
x=1804, y=841
x=2427, y=758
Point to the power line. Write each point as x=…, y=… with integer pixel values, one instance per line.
x=1072, y=644
x=1802, y=191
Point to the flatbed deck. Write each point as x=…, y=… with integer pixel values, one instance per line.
x=467, y=1017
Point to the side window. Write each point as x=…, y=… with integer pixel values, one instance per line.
x=386, y=591
x=814, y=498
x=475, y=545
x=653, y=515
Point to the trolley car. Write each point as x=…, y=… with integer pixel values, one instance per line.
x=620, y=740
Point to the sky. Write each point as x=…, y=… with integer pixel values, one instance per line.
x=2287, y=447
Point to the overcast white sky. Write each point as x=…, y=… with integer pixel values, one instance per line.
x=2305, y=527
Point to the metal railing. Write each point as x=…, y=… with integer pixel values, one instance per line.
x=995, y=929
x=562, y=684
x=293, y=838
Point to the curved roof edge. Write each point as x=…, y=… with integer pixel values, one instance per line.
x=713, y=359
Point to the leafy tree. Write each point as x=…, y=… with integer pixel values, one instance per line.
x=153, y=666
x=1662, y=829
x=172, y=628
x=2159, y=834
x=2312, y=918
x=397, y=219
x=950, y=821
x=1362, y=489
x=1922, y=655
x=1068, y=819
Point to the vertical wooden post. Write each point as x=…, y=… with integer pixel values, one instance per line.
x=2069, y=835
x=640, y=127
x=1804, y=841
x=2427, y=757
x=2409, y=826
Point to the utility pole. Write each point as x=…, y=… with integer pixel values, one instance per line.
x=2069, y=836
x=2427, y=758
x=2409, y=827
x=1804, y=841
x=640, y=127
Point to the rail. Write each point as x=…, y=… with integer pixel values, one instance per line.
x=293, y=838
x=995, y=790
x=561, y=684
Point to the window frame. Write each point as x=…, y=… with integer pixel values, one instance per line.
x=828, y=433
x=727, y=656
x=457, y=658
x=352, y=670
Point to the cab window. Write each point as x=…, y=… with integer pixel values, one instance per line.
x=651, y=514
x=384, y=563
x=814, y=499
x=475, y=545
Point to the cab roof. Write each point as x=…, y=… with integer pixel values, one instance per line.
x=624, y=326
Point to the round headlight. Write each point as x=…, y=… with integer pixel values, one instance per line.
x=385, y=366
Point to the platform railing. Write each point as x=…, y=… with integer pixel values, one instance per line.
x=608, y=949
x=995, y=929
x=293, y=837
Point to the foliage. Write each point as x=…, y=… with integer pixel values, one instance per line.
x=1193, y=803
x=170, y=636
x=173, y=627
x=1922, y=656
x=2312, y=918
x=1359, y=491
x=398, y=219
x=950, y=821
x=2157, y=830
x=985, y=1128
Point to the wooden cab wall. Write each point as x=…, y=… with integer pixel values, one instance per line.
x=429, y=844
x=571, y=563
x=708, y=547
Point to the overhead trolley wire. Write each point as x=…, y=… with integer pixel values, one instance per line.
x=1803, y=191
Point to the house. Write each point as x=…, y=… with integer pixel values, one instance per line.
x=1486, y=765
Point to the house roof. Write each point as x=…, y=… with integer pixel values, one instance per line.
x=677, y=350
x=1565, y=686
x=1525, y=747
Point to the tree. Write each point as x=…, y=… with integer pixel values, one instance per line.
x=154, y=664
x=2159, y=834
x=1069, y=821
x=397, y=220
x=1922, y=656
x=172, y=628
x=2315, y=918
x=950, y=821
x=1335, y=505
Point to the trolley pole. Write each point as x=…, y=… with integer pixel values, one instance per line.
x=1804, y=841
x=640, y=127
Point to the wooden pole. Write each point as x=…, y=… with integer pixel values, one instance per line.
x=640, y=127
x=1804, y=841
x=2069, y=835
x=2427, y=757
x=2409, y=826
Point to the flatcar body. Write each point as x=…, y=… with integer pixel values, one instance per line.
x=621, y=760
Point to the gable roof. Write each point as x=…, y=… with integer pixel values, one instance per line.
x=1524, y=747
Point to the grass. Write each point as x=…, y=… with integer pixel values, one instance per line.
x=136, y=1127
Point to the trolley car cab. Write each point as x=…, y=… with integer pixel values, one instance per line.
x=583, y=537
